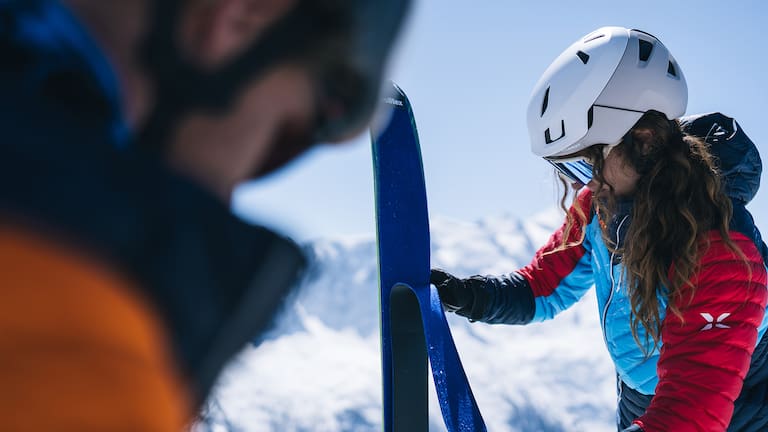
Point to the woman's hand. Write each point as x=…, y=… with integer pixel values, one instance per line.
x=454, y=293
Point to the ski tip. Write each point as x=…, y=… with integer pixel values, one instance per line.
x=395, y=97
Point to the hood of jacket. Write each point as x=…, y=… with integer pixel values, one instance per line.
x=736, y=155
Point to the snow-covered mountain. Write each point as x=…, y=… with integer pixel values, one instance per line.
x=319, y=369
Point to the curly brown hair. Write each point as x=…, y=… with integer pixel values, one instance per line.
x=679, y=197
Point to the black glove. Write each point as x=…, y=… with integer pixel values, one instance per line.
x=454, y=293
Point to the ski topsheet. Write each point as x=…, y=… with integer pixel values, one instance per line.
x=413, y=324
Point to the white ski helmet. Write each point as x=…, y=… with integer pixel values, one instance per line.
x=599, y=87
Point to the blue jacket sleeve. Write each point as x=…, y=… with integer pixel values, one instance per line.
x=557, y=277
x=561, y=271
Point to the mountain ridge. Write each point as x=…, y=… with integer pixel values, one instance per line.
x=318, y=369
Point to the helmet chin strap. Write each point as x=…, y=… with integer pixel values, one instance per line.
x=181, y=86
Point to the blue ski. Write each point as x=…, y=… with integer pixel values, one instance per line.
x=413, y=324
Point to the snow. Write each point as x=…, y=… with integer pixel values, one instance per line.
x=319, y=369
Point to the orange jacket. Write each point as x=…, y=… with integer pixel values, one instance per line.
x=79, y=349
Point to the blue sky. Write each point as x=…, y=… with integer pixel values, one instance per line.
x=469, y=70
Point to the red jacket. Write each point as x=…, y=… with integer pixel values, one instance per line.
x=693, y=381
x=706, y=351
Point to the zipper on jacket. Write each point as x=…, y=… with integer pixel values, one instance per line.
x=613, y=281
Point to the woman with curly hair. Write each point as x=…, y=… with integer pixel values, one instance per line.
x=658, y=226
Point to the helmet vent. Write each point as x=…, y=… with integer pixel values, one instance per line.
x=583, y=56
x=590, y=39
x=590, y=117
x=672, y=70
x=545, y=102
x=645, y=50
x=548, y=138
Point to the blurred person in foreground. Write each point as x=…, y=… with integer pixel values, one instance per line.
x=126, y=282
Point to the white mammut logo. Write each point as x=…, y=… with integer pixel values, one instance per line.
x=711, y=322
x=393, y=101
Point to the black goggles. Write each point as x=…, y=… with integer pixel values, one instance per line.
x=349, y=84
x=346, y=43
